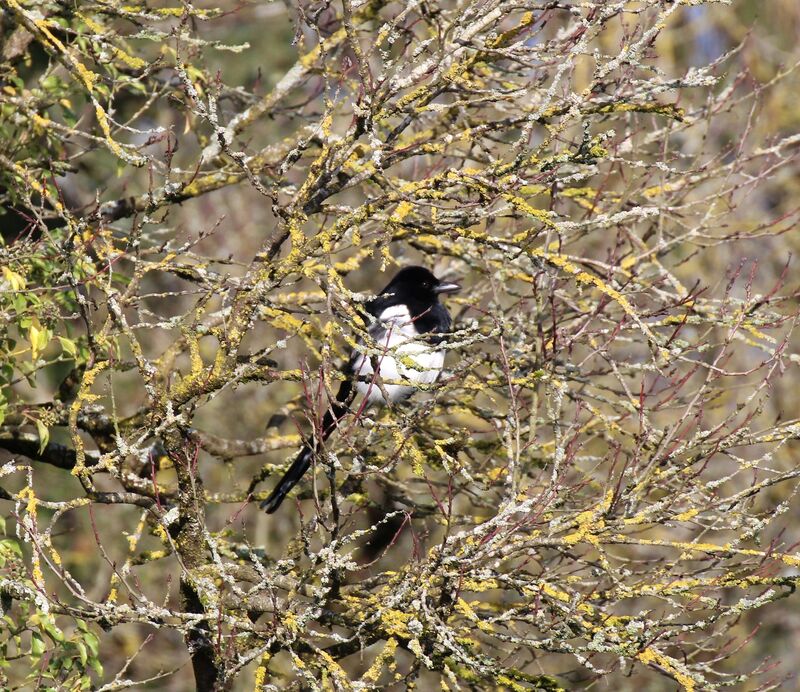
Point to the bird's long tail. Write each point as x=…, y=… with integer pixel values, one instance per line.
x=295, y=473
x=303, y=460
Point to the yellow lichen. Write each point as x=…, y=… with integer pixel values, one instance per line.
x=401, y=211
x=670, y=665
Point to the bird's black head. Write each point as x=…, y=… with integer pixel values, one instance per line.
x=417, y=289
x=417, y=286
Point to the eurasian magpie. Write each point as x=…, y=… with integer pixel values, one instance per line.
x=408, y=327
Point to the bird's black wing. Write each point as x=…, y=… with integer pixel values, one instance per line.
x=434, y=323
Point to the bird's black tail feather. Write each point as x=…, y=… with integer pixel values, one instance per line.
x=303, y=460
x=295, y=473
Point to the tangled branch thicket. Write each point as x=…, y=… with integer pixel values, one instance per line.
x=599, y=486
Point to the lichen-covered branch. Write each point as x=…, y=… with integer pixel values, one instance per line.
x=196, y=203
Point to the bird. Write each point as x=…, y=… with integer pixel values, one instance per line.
x=408, y=325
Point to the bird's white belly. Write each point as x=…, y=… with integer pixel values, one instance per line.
x=401, y=356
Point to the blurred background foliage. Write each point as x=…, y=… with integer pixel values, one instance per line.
x=146, y=175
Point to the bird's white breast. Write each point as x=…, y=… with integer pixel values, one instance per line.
x=401, y=355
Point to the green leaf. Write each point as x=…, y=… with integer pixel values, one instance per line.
x=33, y=339
x=68, y=346
x=44, y=435
x=50, y=627
x=44, y=338
x=92, y=642
x=10, y=545
x=81, y=652
x=19, y=303
x=16, y=281
x=37, y=645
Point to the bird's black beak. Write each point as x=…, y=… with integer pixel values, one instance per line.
x=447, y=287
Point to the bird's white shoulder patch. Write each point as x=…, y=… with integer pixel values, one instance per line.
x=397, y=315
x=401, y=347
